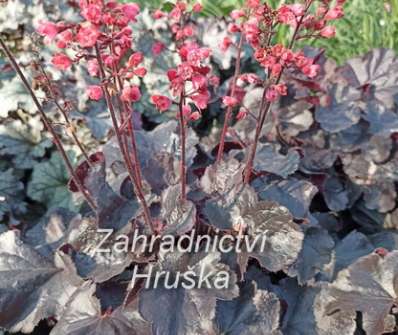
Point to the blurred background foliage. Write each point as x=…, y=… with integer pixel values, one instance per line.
x=368, y=24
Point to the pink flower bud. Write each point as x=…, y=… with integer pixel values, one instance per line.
x=195, y=116
x=135, y=59
x=229, y=101
x=131, y=10
x=328, y=32
x=47, y=29
x=161, y=102
x=87, y=36
x=94, y=92
x=131, y=94
x=93, y=67
x=197, y=8
x=157, y=48
x=61, y=61
x=242, y=113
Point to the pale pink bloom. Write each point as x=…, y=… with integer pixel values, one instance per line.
x=237, y=13
x=328, y=32
x=158, y=14
x=226, y=43
x=281, y=89
x=64, y=38
x=197, y=7
x=47, y=29
x=87, y=36
x=335, y=13
x=157, y=48
x=242, y=113
x=131, y=10
x=253, y=3
x=161, y=102
x=311, y=71
x=92, y=13
x=195, y=116
x=230, y=101
x=131, y=94
x=198, y=81
x=201, y=100
x=271, y=95
x=186, y=110
x=94, y=92
x=214, y=80
x=140, y=72
x=93, y=67
x=135, y=59
x=61, y=61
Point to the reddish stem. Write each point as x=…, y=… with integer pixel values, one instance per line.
x=228, y=114
x=65, y=115
x=265, y=107
x=48, y=126
x=123, y=149
x=183, y=177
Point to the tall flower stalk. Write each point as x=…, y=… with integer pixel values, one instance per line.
x=49, y=127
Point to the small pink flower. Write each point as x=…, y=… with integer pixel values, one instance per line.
x=311, y=71
x=237, y=13
x=157, y=48
x=158, y=14
x=188, y=31
x=47, y=29
x=93, y=67
x=198, y=81
x=335, y=13
x=94, y=92
x=110, y=60
x=131, y=94
x=253, y=3
x=87, y=36
x=214, y=80
x=328, y=32
x=64, y=38
x=195, y=116
x=161, y=102
x=140, y=72
x=172, y=74
x=276, y=69
x=229, y=101
x=186, y=110
x=201, y=100
x=242, y=113
x=226, y=43
x=92, y=13
x=131, y=10
x=197, y=7
x=281, y=89
x=135, y=59
x=271, y=95
x=61, y=61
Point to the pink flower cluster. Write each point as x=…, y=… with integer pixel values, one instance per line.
x=191, y=78
x=258, y=22
x=106, y=26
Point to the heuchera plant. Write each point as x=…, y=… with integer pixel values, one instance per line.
x=166, y=181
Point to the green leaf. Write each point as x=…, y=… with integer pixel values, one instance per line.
x=10, y=194
x=23, y=141
x=49, y=184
